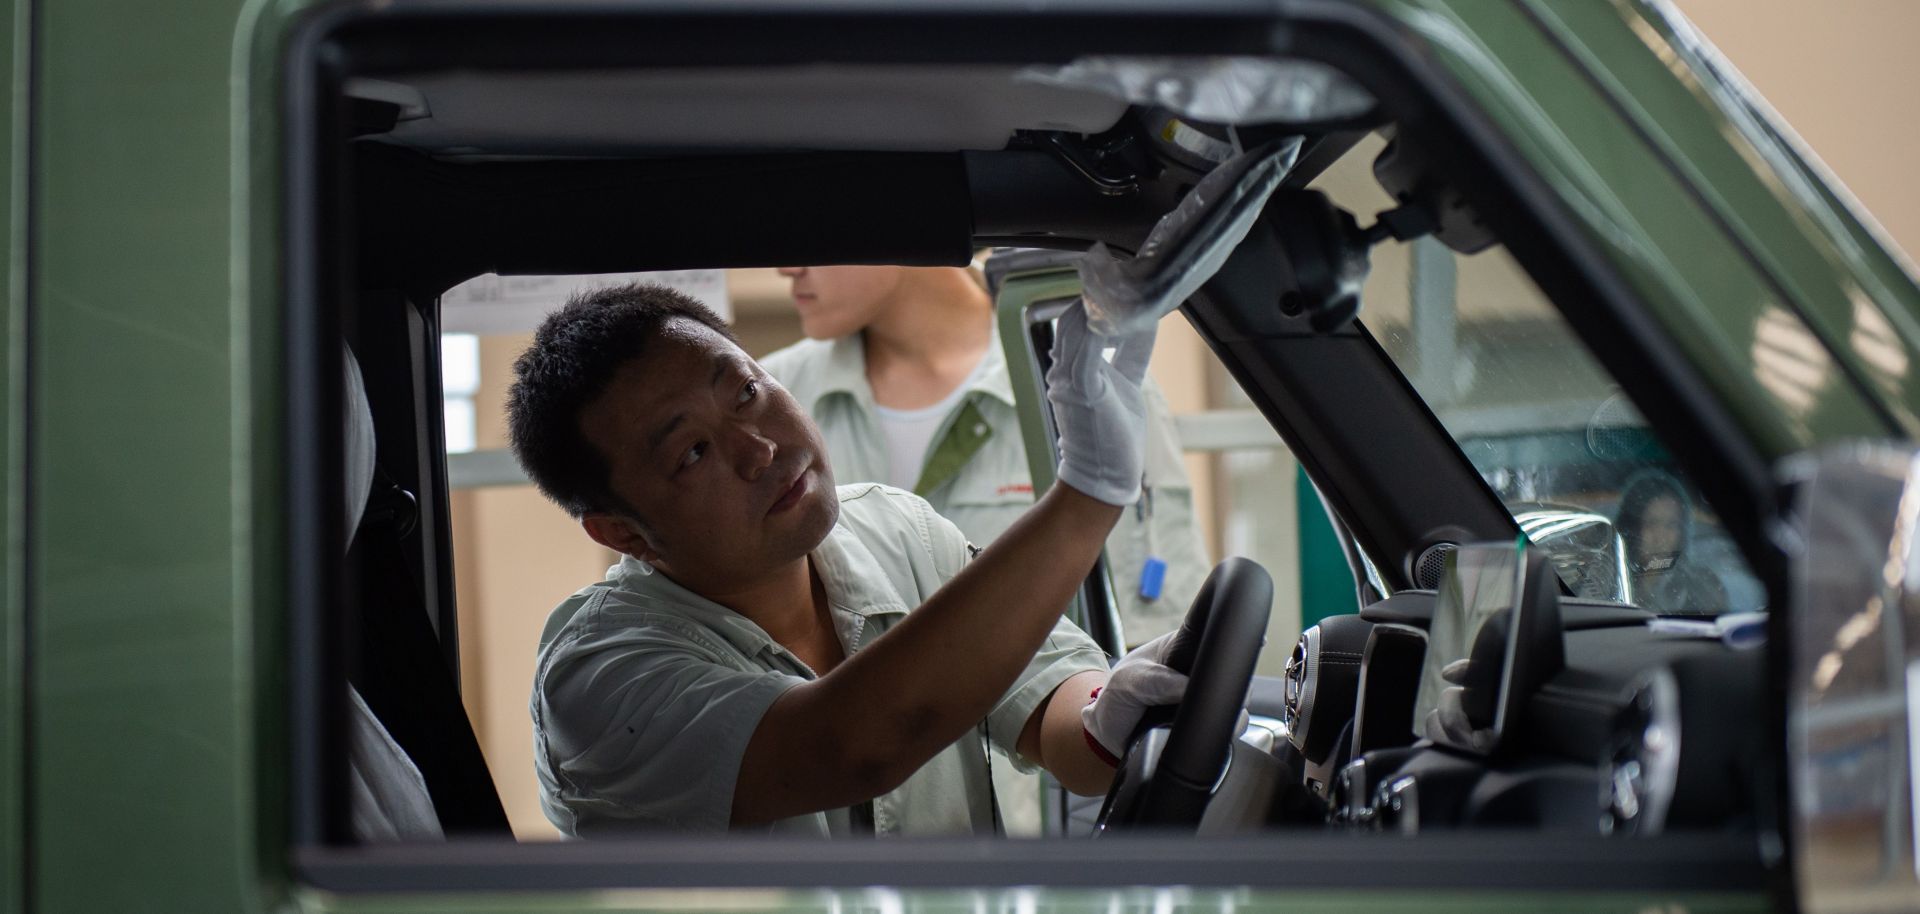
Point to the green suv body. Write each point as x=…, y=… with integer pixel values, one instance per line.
x=145, y=680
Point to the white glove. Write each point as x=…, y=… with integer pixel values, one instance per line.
x=1098, y=408
x=1188, y=245
x=1141, y=680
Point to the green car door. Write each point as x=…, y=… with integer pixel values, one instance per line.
x=147, y=730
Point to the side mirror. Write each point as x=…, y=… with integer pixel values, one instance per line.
x=1585, y=548
x=1853, y=735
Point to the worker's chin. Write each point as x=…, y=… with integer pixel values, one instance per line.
x=803, y=527
x=824, y=323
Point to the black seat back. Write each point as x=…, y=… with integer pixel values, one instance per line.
x=394, y=656
x=395, y=663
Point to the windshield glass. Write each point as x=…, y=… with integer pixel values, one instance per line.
x=1545, y=425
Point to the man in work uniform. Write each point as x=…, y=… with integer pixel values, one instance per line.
x=905, y=376
x=780, y=655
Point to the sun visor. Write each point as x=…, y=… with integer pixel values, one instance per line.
x=1187, y=246
x=1218, y=90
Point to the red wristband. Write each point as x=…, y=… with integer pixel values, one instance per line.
x=1100, y=752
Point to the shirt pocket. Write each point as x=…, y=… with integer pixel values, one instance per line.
x=986, y=497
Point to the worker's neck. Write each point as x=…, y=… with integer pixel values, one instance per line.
x=928, y=338
x=790, y=605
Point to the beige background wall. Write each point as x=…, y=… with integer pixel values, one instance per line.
x=1843, y=73
x=1839, y=72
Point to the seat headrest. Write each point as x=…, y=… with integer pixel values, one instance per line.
x=358, y=437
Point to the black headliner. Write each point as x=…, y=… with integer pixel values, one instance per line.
x=425, y=224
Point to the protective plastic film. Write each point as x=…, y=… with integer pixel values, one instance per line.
x=1218, y=90
x=1854, y=677
x=1187, y=246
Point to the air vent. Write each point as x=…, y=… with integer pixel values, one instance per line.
x=1296, y=685
x=1431, y=565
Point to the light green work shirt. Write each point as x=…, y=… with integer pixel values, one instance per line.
x=646, y=694
x=976, y=473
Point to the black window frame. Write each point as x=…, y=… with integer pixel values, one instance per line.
x=1368, y=44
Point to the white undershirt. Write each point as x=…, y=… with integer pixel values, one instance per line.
x=909, y=432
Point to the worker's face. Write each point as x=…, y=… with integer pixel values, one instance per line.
x=1661, y=533
x=839, y=301
x=726, y=475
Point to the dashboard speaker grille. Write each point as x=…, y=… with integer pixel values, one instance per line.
x=1431, y=564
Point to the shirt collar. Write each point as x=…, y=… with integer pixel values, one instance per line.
x=846, y=373
x=857, y=588
x=855, y=582
x=658, y=590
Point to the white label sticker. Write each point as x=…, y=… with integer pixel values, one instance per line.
x=1179, y=134
x=493, y=304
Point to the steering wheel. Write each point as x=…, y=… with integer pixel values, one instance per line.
x=1179, y=755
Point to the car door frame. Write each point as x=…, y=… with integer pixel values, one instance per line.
x=1676, y=867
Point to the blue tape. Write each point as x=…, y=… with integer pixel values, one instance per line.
x=1153, y=576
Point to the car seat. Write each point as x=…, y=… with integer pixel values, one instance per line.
x=416, y=768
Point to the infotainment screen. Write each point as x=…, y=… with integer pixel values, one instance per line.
x=1495, y=636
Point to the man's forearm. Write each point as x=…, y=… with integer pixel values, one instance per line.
x=945, y=665
x=886, y=710
x=1056, y=740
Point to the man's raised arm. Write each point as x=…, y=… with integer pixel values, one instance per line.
x=863, y=728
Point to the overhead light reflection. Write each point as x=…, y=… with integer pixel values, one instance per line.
x=1826, y=671
x=1910, y=576
x=1789, y=362
x=1875, y=341
x=1846, y=638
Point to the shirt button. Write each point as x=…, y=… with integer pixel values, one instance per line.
x=980, y=428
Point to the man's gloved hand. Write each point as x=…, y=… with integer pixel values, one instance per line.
x=1098, y=408
x=1141, y=680
x=1188, y=245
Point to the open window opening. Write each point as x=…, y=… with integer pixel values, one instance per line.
x=569, y=145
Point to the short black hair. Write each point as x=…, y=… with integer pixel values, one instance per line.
x=574, y=356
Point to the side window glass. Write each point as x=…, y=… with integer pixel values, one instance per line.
x=1552, y=434
x=1543, y=423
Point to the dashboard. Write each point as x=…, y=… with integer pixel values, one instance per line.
x=1496, y=701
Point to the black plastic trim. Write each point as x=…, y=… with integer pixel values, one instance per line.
x=1469, y=861
x=425, y=225
x=317, y=266
x=403, y=36
x=1020, y=196
x=1320, y=154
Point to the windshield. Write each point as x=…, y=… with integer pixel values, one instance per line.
x=1545, y=425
